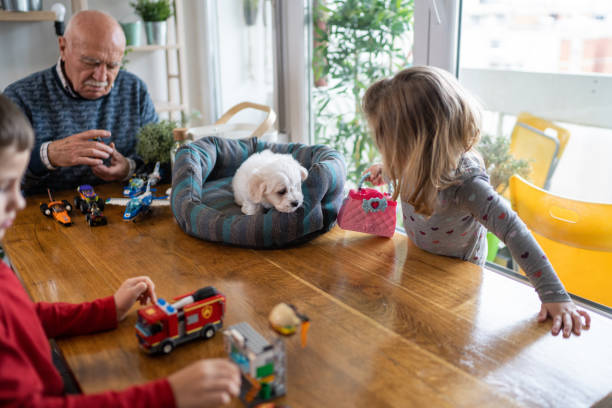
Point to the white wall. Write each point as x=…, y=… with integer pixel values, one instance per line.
x=27, y=47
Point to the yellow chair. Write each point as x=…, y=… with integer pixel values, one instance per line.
x=575, y=235
x=542, y=125
x=530, y=141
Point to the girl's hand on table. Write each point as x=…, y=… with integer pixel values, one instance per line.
x=565, y=315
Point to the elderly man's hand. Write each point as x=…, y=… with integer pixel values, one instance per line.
x=118, y=169
x=80, y=149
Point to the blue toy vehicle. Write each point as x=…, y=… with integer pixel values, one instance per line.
x=135, y=186
x=139, y=184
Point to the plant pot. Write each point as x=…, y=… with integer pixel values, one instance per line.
x=15, y=5
x=493, y=246
x=250, y=8
x=156, y=32
x=132, y=33
x=35, y=5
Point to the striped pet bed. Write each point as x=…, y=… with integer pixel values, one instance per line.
x=203, y=200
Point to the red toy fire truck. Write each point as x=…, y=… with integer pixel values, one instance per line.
x=163, y=326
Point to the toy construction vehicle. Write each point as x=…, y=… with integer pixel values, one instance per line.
x=163, y=326
x=87, y=196
x=57, y=209
x=90, y=204
x=262, y=364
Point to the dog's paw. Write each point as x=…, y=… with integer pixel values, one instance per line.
x=250, y=208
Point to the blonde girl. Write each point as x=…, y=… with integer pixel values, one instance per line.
x=426, y=126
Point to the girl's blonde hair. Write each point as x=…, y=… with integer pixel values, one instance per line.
x=423, y=123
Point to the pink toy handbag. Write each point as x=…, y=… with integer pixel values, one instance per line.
x=368, y=210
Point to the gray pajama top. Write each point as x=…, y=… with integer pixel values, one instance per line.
x=459, y=224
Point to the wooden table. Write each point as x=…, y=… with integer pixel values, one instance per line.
x=391, y=325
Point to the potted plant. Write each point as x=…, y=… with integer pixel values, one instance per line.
x=500, y=165
x=132, y=30
x=357, y=43
x=154, y=14
x=155, y=141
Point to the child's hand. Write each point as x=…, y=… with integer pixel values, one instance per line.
x=376, y=174
x=565, y=314
x=205, y=383
x=133, y=289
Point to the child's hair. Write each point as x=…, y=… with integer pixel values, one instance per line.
x=423, y=123
x=15, y=129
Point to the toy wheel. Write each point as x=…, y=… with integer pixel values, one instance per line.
x=80, y=204
x=208, y=332
x=44, y=208
x=167, y=348
x=100, y=203
x=67, y=205
x=104, y=221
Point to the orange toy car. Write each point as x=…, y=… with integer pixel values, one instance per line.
x=58, y=209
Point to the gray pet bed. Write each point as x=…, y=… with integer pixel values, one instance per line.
x=203, y=201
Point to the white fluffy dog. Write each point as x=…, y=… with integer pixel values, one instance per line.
x=269, y=180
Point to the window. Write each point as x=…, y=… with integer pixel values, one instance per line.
x=238, y=56
x=552, y=60
x=191, y=319
x=355, y=43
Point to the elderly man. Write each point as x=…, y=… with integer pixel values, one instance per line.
x=85, y=111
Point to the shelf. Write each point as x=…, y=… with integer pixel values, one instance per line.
x=147, y=48
x=27, y=15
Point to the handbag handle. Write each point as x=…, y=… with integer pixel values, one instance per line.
x=368, y=174
x=363, y=179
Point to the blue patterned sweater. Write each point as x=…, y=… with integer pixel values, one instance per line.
x=55, y=114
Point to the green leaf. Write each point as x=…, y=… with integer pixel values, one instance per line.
x=359, y=50
x=149, y=10
x=155, y=141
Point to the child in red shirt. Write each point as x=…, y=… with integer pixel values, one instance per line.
x=27, y=375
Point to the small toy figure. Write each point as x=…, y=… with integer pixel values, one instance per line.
x=138, y=184
x=263, y=364
x=58, y=209
x=140, y=205
x=163, y=326
x=95, y=216
x=284, y=318
x=135, y=186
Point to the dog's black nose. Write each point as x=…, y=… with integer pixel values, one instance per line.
x=295, y=203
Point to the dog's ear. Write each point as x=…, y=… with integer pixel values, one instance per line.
x=257, y=187
x=303, y=173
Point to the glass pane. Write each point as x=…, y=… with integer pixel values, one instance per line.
x=543, y=36
x=544, y=69
x=245, y=56
x=356, y=42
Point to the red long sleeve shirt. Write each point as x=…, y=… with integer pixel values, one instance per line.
x=28, y=377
